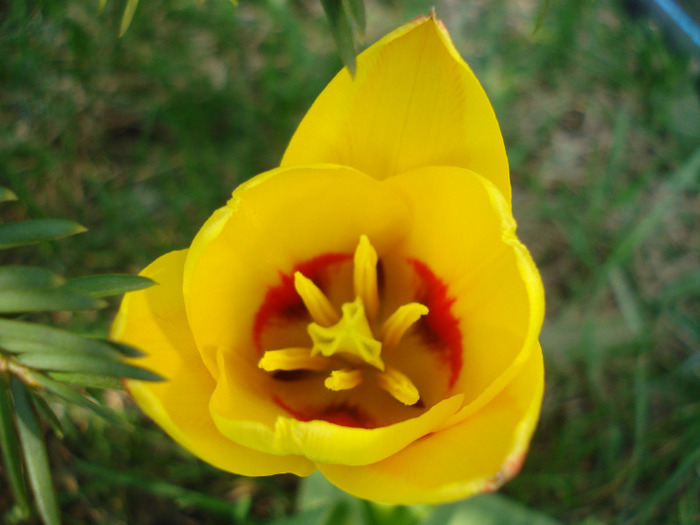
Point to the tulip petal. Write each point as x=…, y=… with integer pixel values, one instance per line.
x=413, y=103
x=477, y=455
x=278, y=220
x=154, y=320
x=464, y=232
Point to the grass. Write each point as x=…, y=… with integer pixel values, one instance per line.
x=140, y=138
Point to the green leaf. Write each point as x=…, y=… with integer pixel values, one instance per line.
x=356, y=10
x=51, y=300
x=70, y=394
x=101, y=6
x=14, y=277
x=104, y=285
x=10, y=446
x=21, y=233
x=7, y=194
x=487, y=509
x=24, y=337
x=341, y=29
x=89, y=380
x=85, y=365
x=44, y=410
x=128, y=15
x=35, y=456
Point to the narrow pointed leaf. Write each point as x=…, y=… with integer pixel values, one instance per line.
x=44, y=410
x=51, y=300
x=356, y=10
x=7, y=194
x=89, y=380
x=35, y=456
x=70, y=394
x=85, y=365
x=341, y=29
x=11, y=452
x=21, y=233
x=14, y=277
x=101, y=6
x=126, y=350
x=24, y=337
x=128, y=15
x=105, y=285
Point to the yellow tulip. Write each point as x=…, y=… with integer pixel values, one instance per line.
x=365, y=309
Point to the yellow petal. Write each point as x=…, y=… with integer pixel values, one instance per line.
x=245, y=416
x=154, y=320
x=277, y=221
x=413, y=102
x=464, y=233
x=477, y=455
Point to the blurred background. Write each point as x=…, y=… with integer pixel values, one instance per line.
x=140, y=138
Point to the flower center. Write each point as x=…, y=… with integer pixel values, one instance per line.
x=345, y=342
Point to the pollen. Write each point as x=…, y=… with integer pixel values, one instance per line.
x=345, y=379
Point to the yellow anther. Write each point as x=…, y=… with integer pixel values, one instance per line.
x=365, y=276
x=318, y=305
x=400, y=321
x=345, y=379
x=351, y=336
x=292, y=359
x=398, y=385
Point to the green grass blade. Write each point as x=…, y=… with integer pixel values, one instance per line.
x=15, y=277
x=128, y=16
x=10, y=446
x=52, y=300
x=685, y=176
x=341, y=29
x=35, y=455
x=85, y=365
x=105, y=285
x=21, y=233
x=7, y=195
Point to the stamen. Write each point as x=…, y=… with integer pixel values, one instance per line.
x=351, y=335
x=344, y=379
x=318, y=305
x=400, y=321
x=365, y=276
x=292, y=359
x=398, y=385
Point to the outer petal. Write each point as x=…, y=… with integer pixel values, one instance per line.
x=477, y=455
x=464, y=232
x=154, y=320
x=413, y=103
x=272, y=223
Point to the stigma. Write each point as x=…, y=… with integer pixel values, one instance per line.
x=346, y=345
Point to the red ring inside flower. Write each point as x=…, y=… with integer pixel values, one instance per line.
x=436, y=334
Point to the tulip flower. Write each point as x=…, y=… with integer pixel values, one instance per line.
x=365, y=309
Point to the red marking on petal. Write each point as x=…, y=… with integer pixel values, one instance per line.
x=343, y=415
x=282, y=300
x=439, y=326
